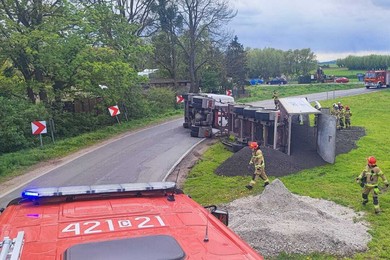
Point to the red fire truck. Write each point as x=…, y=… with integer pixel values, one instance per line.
x=377, y=78
x=120, y=221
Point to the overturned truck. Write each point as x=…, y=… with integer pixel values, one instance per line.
x=287, y=129
x=205, y=112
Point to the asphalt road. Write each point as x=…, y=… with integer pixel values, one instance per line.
x=143, y=156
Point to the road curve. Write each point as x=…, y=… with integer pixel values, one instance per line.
x=142, y=156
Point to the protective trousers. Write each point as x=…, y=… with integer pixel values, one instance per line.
x=375, y=192
x=259, y=173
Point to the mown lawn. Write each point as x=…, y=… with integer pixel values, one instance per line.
x=264, y=92
x=343, y=72
x=335, y=182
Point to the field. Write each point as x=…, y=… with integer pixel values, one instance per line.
x=263, y=92
x=343, y=72
x=335, y=182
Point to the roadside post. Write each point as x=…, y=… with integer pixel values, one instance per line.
x=39, y=128
x=114, y=111
x=52, y=129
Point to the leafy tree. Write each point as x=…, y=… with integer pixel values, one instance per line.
x=15, y=124
x=236, y=62
x=24, y=29
x=271, y=62
x=369, y=62
x=166, y=49
x=210, y=82
x=202, y=22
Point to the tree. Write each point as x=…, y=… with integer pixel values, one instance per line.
x=135, y=12
x=166, y=48
x=236, y=62
x=369, y=62
x=24, y=28
x=202, y=22
x=270, y=62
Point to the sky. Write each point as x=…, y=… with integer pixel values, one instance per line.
x=332, y=29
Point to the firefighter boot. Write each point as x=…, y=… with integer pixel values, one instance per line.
x=265, y=183
x=376, y=205
x=365, y=199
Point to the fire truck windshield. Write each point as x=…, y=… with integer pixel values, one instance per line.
x=370, y=75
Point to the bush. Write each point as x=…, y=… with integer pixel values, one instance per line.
x=15, y=124
x=160, y=100
x=68, y=124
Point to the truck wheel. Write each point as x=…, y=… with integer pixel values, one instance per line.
x=367, y=87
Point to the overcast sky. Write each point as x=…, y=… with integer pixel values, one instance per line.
x=330, y=28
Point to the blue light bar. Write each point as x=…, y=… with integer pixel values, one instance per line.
x=95, y=189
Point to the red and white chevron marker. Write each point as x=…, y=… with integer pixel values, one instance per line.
x=179, y=99
x=38, y=127
x=228, y=92
x=114, y=110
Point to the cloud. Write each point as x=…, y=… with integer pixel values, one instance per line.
x=331, y=26
x=381, y=3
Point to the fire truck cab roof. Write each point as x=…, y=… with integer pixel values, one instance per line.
x=119, y=221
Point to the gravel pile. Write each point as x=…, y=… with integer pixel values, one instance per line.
x=278, y=221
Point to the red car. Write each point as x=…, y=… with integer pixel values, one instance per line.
x=117, y=221
x=341, y=80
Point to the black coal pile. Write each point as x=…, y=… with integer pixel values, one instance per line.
x=303, y=155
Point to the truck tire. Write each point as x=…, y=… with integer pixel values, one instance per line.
x=194, y=131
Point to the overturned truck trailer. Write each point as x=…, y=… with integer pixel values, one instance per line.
x=287, y=129
x=203, y=112
x=252, y=123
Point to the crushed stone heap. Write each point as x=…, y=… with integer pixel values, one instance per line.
x=278, y=221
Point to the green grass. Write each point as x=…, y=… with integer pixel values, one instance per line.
x=343, y=72
x=263, y=92
x=14, y=164
x=333, y=182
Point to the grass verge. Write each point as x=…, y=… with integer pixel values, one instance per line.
x=263, y=92
x=14, y=164
x=335, y=182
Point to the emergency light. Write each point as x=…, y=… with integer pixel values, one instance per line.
x=96, y=189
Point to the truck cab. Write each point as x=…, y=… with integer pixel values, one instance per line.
x=119, y=221
x=377, y=79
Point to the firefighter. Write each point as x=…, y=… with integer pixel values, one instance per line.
x=341, y=116
x=347, y=115
x=339, y=105
x=275, y=97
x=368, y=180
x=335, y=112
x=258, y=161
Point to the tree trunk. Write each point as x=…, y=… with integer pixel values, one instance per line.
x=30, y=94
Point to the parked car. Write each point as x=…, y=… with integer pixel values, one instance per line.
x=341, y=80
x=277, y=81
x=256, y=81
